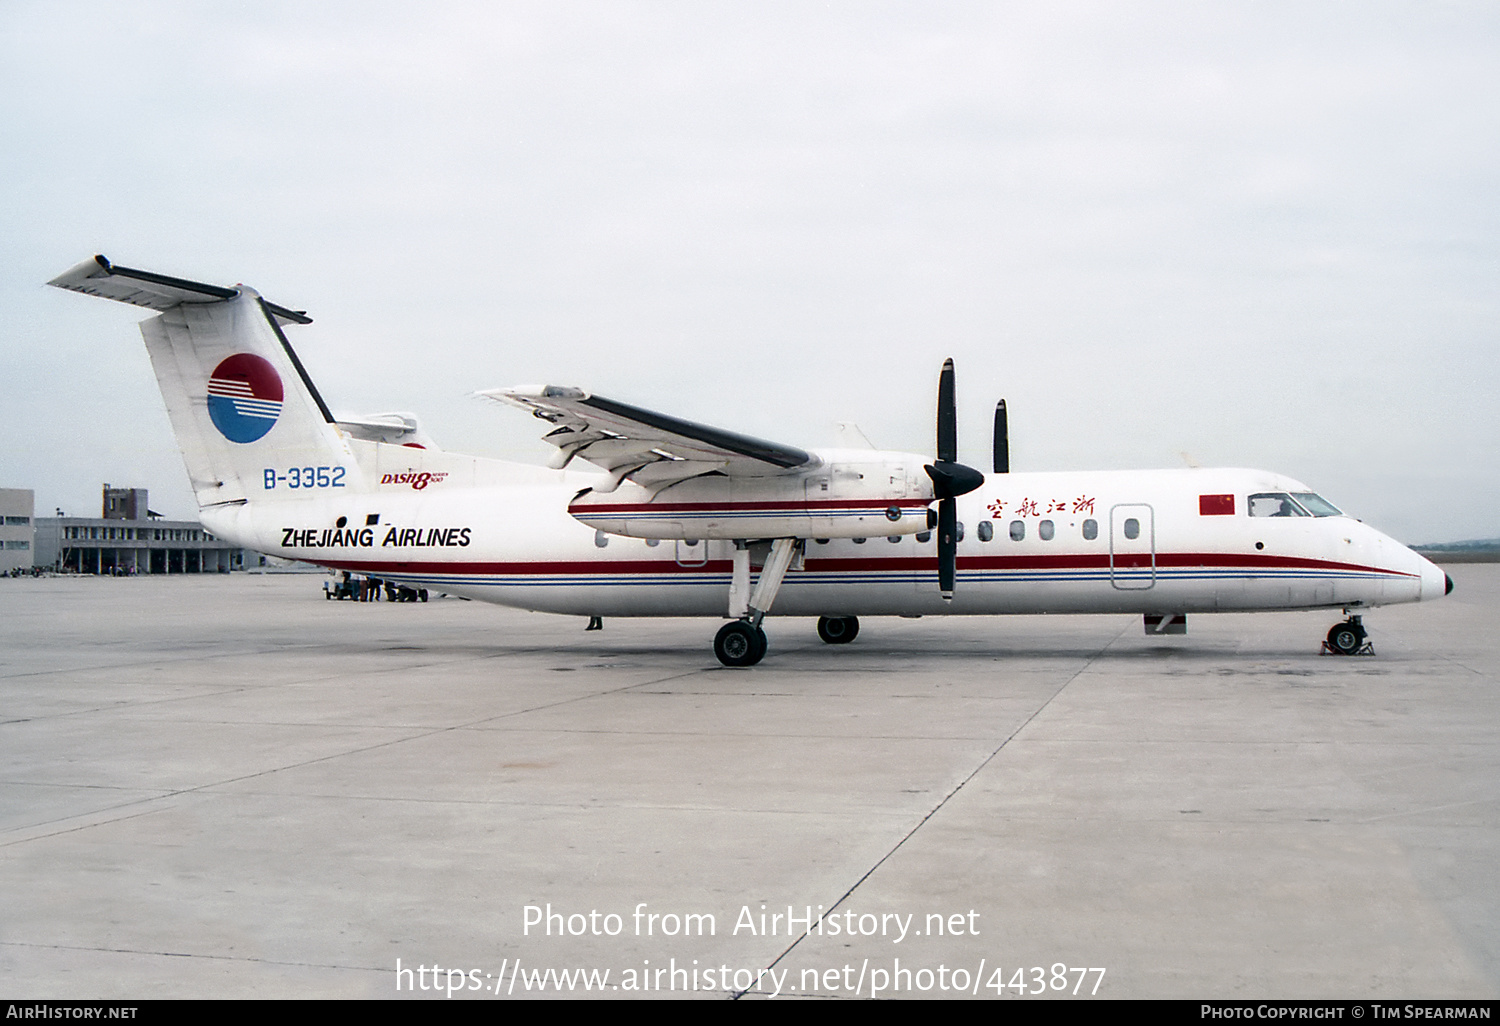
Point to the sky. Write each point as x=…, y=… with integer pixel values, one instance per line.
x=1259, y=234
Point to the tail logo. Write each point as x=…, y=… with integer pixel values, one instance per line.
x=244, y=397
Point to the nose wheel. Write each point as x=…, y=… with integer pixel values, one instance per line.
x=1348, y=638
x=740, y=643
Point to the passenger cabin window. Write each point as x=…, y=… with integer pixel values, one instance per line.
x=1018, y=530
x=986, y=530
x=1132, y=528
x=1046, y=530
x=959, y=534
x=1090, y=530
x=924, y=537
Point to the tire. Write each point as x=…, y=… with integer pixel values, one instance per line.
x=739, y=644
x=838, y=630
x=1346, y=638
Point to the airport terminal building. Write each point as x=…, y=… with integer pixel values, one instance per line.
x=17, y=529
x=127, y=539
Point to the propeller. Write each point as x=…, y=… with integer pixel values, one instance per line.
x=1002, y=440
x=950, y=479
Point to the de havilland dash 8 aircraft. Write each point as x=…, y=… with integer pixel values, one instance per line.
x=673, y=518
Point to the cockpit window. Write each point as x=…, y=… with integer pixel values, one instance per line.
x=1316, y=504
x=1275, y=504
x=1292, y=504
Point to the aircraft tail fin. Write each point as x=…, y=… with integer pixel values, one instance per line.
x=247, y=416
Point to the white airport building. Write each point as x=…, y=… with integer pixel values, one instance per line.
x=17, y=529
x=127, y=539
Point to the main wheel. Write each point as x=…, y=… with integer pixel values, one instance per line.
x=739, y=644
x=1346, y=638
x=838, y=630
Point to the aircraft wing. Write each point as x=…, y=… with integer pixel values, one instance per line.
x=652, y=449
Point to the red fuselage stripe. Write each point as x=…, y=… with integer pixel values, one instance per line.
x=665, y=509
x=854, y=564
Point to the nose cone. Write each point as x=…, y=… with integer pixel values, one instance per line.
x=1435, y=583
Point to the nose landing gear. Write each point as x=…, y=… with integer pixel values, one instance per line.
x=1348, y=638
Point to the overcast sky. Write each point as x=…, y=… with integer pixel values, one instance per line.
x=1258, y=234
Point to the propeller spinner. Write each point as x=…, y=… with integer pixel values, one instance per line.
x=950, y=479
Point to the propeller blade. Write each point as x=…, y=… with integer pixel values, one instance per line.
x=947, y=416
x=947, y=547
x=1002, y=440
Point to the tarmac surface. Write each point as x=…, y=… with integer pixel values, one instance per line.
x=230, y=787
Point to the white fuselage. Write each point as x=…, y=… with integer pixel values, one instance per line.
x=1166, y=541
x=681, y=512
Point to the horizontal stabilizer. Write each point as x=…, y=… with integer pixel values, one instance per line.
x=99, y=277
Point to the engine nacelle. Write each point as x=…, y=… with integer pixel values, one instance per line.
x=846, y=494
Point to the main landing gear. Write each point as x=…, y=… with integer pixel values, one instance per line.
x=1348, y=638
x=743, y=643
x=740, y=643
x=838, y=630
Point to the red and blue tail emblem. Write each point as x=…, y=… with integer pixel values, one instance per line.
x=244, y=397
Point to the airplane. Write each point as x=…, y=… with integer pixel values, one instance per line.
x=675, y=518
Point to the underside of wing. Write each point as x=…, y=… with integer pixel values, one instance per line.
x=651, y=449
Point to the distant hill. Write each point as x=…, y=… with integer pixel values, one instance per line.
x=1479, y=550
